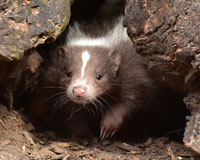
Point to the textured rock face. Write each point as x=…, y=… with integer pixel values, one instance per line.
x=18, y=76
x=192, y=132
x=25, y=24
x=167, y=34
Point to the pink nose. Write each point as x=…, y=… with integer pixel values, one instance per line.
x=79, y=91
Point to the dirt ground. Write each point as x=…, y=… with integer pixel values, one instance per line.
x=20, y=141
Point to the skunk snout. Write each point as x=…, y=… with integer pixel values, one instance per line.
x=79, y=91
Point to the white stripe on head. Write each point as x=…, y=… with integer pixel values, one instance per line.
x=90, y=42
x=85, y=59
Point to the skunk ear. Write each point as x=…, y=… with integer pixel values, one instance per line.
x=115, y=59
x=61, y=51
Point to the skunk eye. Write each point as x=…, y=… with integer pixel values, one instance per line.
x=69, y=74
x=98, y=76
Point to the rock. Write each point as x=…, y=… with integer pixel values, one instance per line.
x=17, y=77
x=25, y=24
x=167, y=34
x=192, y=132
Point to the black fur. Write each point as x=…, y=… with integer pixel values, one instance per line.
x=129, y=104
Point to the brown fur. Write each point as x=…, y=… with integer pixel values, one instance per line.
x=126, y=102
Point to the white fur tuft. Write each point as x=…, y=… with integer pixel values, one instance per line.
x=111, y=39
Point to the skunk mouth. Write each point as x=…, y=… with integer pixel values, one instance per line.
x=80, y=100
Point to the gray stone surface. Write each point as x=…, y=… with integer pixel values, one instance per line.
x=167, y=34
x=27, y=23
